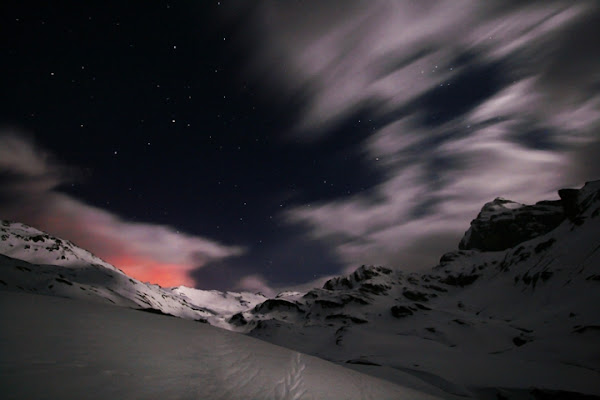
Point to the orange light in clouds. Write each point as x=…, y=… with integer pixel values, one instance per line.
x=145, y=270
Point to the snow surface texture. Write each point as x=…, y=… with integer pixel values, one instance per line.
x=512, y=314
x=55, y=348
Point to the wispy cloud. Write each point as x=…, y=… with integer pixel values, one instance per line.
x=150, y=252
x=423, y=208
x=472, y=100
x=255, y=283
x=387, y=53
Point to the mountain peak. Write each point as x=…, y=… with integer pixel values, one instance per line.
x=33, y=245
x=360, y=275
x=502, y=224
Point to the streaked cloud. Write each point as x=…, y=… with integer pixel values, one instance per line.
x=423, y=203
x=387, y=53
x=150, y=252
x=255, y=283
x=472, y=100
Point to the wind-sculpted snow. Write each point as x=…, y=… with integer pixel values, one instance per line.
x=292, y=384
x=55, y=348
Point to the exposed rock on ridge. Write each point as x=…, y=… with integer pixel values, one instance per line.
x=503, y=224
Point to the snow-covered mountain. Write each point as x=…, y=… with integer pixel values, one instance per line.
x=36, y=262
x=513, y=313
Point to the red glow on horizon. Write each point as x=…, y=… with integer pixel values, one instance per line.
x=146, y=270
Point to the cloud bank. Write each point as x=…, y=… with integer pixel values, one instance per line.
x=149, y=252
x=469, y=101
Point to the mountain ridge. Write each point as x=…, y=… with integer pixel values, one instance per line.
x=522, y=285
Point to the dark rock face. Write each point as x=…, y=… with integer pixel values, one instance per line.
x=544, y=245
x=415, y=296
x=155, y=311
x=589, y=328
x=349, y=298
x=323, y=298
x=362, y=362
x=238, y=320
x=422, y=307
x=354, y=280
x=448, y=258
x=401, y=311
x=371, y=288
x=520, y=341
x=460, y=280
x=569, y=198
x=328, y=303
x=277, y=304
x=345, y=317
x=503, y=224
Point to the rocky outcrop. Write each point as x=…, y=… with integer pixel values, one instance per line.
x=583, y=203
x=569, y=199
x=277, y=305
x=357, y=278
x=503, y=224
x=238, y=320
x=401, y=311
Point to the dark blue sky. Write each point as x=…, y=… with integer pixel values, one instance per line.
x=312, y=138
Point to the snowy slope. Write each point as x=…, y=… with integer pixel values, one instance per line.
x=513, y=313
x=24, y=242
x=497, y=318
x=57, y=348
x=36, y=262
x=222, y=305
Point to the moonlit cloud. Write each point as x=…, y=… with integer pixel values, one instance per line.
x=471, y=103
x=25, y=167
x=255, y=283
x=391, y=224
x=149, y=252
x=388, y=53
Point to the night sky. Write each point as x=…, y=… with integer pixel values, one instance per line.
x=262, y=145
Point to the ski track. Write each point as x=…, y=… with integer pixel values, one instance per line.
x=291, y=386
